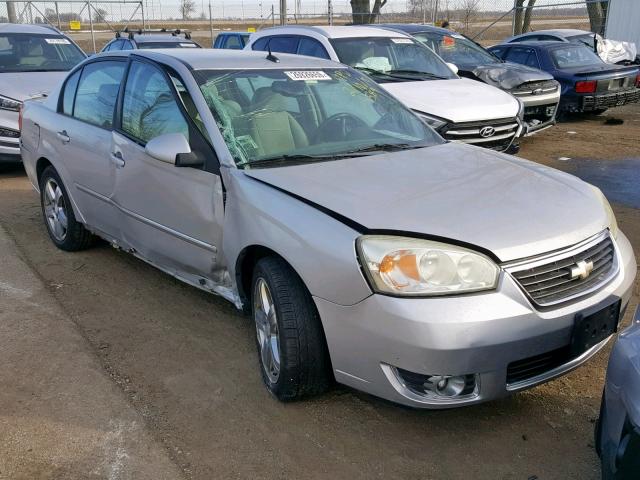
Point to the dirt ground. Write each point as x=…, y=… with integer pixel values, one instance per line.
x=186, y=362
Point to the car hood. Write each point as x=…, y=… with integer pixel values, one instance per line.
x=504, y=204
x=507, y=75
x=24, y=85
x=457, y=100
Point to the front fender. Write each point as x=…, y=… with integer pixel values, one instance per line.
x=318, y=247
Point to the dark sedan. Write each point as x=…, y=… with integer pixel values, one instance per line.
x=536, y=89
x=588, y=84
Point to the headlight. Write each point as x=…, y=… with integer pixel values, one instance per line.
x=9, y=104
x=433, y=122
x=611, y=217
x=414, y=267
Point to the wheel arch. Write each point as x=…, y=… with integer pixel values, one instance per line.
x=245, y=263
x=41, y=164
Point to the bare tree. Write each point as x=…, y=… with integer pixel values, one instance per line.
x=11, y=12
x=187, y=7
x=362, y=12
x=597, y=15
x=99, y=15
x=522, y=16
x=469, y=11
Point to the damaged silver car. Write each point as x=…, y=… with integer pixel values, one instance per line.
x=366, y=248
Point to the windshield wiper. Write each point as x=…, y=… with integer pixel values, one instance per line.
x=373, y=71
x=386, y=147
x=416, y=72
x=288, y=159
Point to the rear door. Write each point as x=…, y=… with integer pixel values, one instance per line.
x=171, y=215
x=84, y=136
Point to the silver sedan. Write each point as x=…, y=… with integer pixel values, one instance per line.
x=367, y=249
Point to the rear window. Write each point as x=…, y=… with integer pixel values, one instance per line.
x=573, y=56
x=22, y=52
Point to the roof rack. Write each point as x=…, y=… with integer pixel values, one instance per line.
x=175, y=33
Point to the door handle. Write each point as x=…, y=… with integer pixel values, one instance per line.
x=116, y=158
x=63, y=136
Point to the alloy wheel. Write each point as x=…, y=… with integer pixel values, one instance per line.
x=267, y=330
x=55, y=210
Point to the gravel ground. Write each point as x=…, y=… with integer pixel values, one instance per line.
x=185, y=362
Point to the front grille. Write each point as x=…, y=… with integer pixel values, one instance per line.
x=8, y=132
x=504, y=131
x=535, y=88
x=610, y=100
x=567, y=275
x=537, y=365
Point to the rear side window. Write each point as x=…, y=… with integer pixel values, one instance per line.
x=498, y=51
x=523, y=56
x=312, y=48
x=97, y=92
x=149, y=108
x=233, y=42
x=69, y=93
x=284, y=44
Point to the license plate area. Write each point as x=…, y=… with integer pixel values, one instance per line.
x=591, y=329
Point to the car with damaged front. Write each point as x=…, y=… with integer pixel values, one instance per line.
x=365, y=247
x=587, y=83
x=537, y=90
x=33, y=60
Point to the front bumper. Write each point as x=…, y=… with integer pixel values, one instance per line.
x=540, y=110
x=478, y=334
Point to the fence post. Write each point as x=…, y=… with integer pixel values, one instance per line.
x=142, y=10
x=93, y=37
x=210, y=24
x=513, y=17
x=330, y=12
x=273, y=17
x=58, y=17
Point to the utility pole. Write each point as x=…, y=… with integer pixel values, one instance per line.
x=11, y=12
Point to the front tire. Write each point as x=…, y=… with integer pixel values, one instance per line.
x=292, y=350
x=64, y=230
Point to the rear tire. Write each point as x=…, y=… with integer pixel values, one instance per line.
x=64, y=230
x=292, y=349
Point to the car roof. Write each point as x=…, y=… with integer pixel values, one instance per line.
x=220, y=59
x=560, y=32
x=156, y=38
x=541, y=44
x=34, y=29
x=234, y=32
x=343, y=31
x=416, y=28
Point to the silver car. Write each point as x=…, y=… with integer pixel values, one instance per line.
x=33, y=59
x=366, y=248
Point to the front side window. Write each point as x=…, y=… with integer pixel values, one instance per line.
x=22, y=52
x=312, y=48
x=523, y=56
x=456, y=49
x=309, y=115
x=97, y=92
x=574, y=56
x=391, y=59
x=149, y=107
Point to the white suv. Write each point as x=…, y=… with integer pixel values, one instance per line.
x=459, y=109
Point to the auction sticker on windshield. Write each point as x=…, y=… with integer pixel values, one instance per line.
x=401, y=40
x=308, y=75
x=57, y=41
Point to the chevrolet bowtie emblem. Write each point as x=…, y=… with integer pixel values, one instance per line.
x=581, y=270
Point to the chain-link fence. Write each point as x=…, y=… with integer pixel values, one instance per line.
x=489, y=21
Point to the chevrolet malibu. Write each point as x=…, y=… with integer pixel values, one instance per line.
x=366, y=248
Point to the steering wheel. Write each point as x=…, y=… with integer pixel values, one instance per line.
x=339, y=127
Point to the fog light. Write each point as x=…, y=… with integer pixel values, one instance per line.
x=439, y=386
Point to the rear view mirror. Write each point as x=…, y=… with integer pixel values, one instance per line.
x=453, y=67
x=168, y=148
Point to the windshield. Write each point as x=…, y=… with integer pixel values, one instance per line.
x=25, y=52
x=574, y=56
x=282, y=117
x=455, y=48
x=391, y=59
x=154, y=45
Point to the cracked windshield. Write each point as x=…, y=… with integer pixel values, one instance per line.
x=279, y=117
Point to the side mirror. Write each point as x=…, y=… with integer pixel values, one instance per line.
x=453, y=67
x=170, y=148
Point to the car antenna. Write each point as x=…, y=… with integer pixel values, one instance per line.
x=271, y=57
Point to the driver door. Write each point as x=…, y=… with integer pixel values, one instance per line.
x=172, y=216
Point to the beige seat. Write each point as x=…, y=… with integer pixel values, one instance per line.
x=272, y=127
